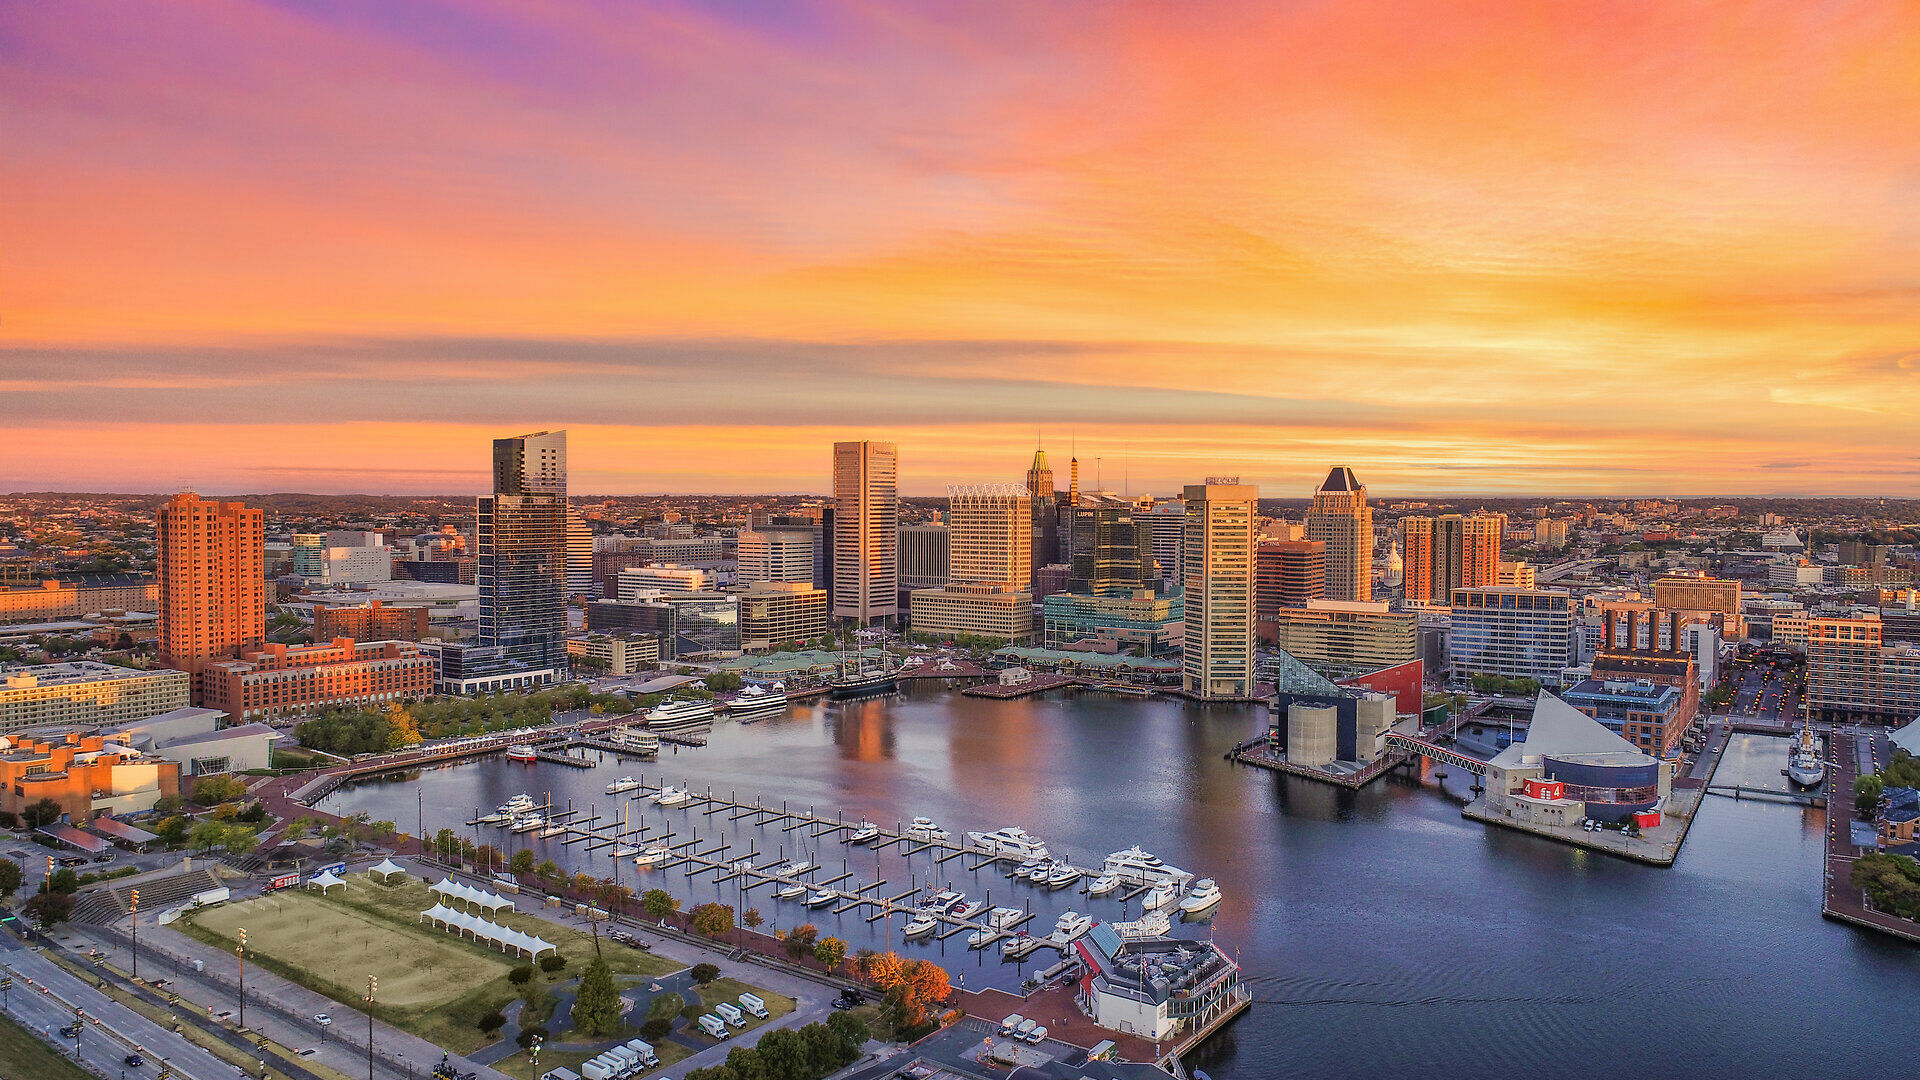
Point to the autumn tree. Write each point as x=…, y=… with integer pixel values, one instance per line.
x=800, y=940
x=830, y=951
x=402, y=730
x=659, y=903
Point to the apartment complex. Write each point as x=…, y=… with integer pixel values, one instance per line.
x=1341, y=519
x=623, y=654
x=1217, y=643
x=1855, y=675
x=287, y=680
x=866, y=520
x=212, y=581
x=71, y=596
x=1449, y=552
x=371, y=621
x=87, y=693
x=1514, y=633
x=1346, y=637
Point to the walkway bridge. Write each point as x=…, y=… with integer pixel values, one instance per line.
x=1453, y=758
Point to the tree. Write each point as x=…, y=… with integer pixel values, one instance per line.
x=702, y=974
x=547, y=870
x=41, y=813
x=64, y=881
x=10, y=878
x=552, y=962
x=522, y=862
x=529, y=1035
x=521, y=975
x=852, y=1031
x=659, y=903
x=751, y=918
x=213, y=790
x=596, y=1008
x=402, y=731
x=1868, y=789
x=800, y=940
x=830, y=951
x=48, y=908
x=713, y=920
x=715, y=1072
x=492, y=1022
x=913, y=987
x=782, y=1055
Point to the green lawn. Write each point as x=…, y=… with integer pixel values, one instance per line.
x=23, y=1057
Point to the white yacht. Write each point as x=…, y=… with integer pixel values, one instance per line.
x=967, y=909
x=791, y=892
x=1062, y=876
x=671, y=796
x=652, y=856
x=1137, y=867
x=1011, y=840
x=527, y=823
x=679, y=712
x=867, y=831
x=980, y=939
x=798, y=866
x=944, y=900
x=1151, y=925
x=552, y=830
x=519, y=804
x=625, y=783
x=1204, y=896
x=494, y=818
x=1071, y=925
x=923, y=828
x=1026, y=870
x=1161, y=896
x=822, y=898
x=756, y=703
x=1103, y=885
x=623, y=851
x=919, y=926
x=1002, y=917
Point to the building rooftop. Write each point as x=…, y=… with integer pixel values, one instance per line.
x=72, y=673
x=1560, y=731
x=1340, y=478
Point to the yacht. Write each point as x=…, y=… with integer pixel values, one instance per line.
x=1151, y=925
x=652, y=856
x=679, y=712
x=867, y=831
x=924, y=829
x=822, y=898
x=1805, y=767
x=1026, y=870
x=967, y=909
x=756, y=703
x=1103, y=885
x=671, y=796
x=1071, y=925
x=944, y=900
x=792, y=869
x=1002, y=917
x=1011, y=840
x=1062, y=876
x=519, y=804
x=980, y=939
x=625, y=783
x=624, y=851
x=552, y=830
x=919, y=926
x=527, y=823
x=1163, y=895
x=521, y=752
x=791, y=892
x=494, y=818
x=1205, y=894
x=1136, y=867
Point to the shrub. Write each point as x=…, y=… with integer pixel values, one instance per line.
x=527, y=1035
x=656, y=1029
x=553, y=962
x=704, y=973
x=521, y=975
x=492, y=1022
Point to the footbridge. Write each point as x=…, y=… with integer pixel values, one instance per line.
x=1453, y=758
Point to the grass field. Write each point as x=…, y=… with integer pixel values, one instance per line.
x=23, y=1057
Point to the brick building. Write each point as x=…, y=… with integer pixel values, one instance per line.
x=372, y=621
x=282, y=680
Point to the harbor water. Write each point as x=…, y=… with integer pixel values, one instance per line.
x=1378, y=930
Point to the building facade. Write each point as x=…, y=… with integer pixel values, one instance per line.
x=1288, y=574
x=1143, y=622
x=87, y=693
x=1217, y=641
x=1513, y=633
x=1045, y=532
x=522, y=572
x=925, y=555
x=372, y=621
x=1646, y=714
x=866, y=521
x=72, y=596
x=623, y=654
x=670, y=580
x=773, y=554
x=776, y=613
x=1346, y=637
x=289, y=680
x=994, y=610
x=1416, y=559
x=1854, y=675
x=1341, y=519
x=212, y=580
x=86, y=775
x=990, y=534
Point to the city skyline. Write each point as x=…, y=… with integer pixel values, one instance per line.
x=1499, y=251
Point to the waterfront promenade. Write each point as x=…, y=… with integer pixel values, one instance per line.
x=1852, y=752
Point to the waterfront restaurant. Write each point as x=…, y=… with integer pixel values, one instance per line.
x=1155, y=988
x=1570, y=766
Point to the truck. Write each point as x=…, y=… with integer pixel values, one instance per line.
x=731, y=1014
x=645, y=1049
x=604, y=1067
x=714, y=1026
x=753, y=1005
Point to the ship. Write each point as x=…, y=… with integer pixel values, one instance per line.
x=679, y=712
x=1805, y=767
x=852, y=677
x=756, y=703
x=521, y=752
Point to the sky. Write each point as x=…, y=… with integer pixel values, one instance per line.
x=1465, y=248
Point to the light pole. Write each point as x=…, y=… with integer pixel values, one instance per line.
x=133, y=905
x=372, y=985
x=240, y=958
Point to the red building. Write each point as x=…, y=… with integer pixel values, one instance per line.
x=212, y=582
x=1404, y=681
x=86, y=775
x=372, y=621
x=1287, y=574
x=282, y=680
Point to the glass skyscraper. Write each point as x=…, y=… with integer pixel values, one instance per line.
x=522, y=568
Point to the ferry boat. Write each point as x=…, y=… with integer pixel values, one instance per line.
x=671, y=796
x=1204, y=896
x=1011, y=840
x=923, y=828
x=920, y=926
x=521, y=752
x=1805, y=768
x=625, y=783
x=527, y=823
x=1071, y=925
x=1062, y=876
x=652, y=856
x=1164, y=895
x=791, y=892
x=866, y=831
x=822, y=898
x=757, y=703
x=1135, y=866
x=679, y=712
x=634, y=742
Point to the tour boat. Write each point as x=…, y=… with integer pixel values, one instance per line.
x=791, y=892
x=1009, y=841
x=1062, y=876
x=1103, y=885
x=652, y=856
x=521, y=752
x=865, y=832
x=679, y=712
x=1805, y=768
x=924, y=829
x=756, y=703
x=625, y=783
x=527, y=823
x=671, y=796
x=920, y=926
x=1071, y=925
x=1164, y=895
x=967, y=909
x=1137, y=867
x=822, y=898
x=1204, y=896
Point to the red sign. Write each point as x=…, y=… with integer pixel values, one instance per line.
x=284, y=881
x=1544, y=789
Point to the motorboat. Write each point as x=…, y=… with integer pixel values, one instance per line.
x=679, y=712
x=519, y=804
x=552, y=830
x=822, y=898
x=1025, y=870
x=1151, y=925
x=967, y=909
x=671, y=796
x=521, y=752
x=1204, y=896
x=791, y=892
x=494, y=818
x=920, y=926
x=1805, y=767
x=980, y=939
x=1137, y=867
x=1062, y=876
x=740, y=865
x=652, y=856
x=623, y=851
x=756, y=703
x=1161, y=896
x=625, y=783
x=944, y=900
x=1103, y=885
x=923, y=828
x=866, y=832
x=1021, y=944
x=1002, y=917
x=798, y=866
x=527, y=823
x=1011, y=840
x=1071, y=925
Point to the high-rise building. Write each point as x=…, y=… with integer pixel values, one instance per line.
x=1480, y=549
x=866, y=520
x=1416, y=542
x=1341, y=519
x=776, y=554
x=522, y=533
x=1512, y=633
x=925, y=556
x=212, y=574
x=1165, y=526
x=1217, y=651
x=1711, y=599
x=579, y=554
x=1110, y=552
x=1855, y=675
x=1347, y=637
x=1046, y=522
x=1449, y=556
x=1288, y=574
x=1449, y=552
x=990, y=534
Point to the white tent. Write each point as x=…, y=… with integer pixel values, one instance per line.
x=387, y=869
x=1907, y=738
x=456, y=892
x=502, y=937
x=325, y=880
x=438, y=913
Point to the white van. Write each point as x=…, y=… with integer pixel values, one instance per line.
x=730, y=1014
x=604, y=1067
x=714, y=1026
x=629, y=1060
x=1012, y=1023
x=1021, y=1030
x=752, y=1004
x=1038, y=1035
x=645, y=1050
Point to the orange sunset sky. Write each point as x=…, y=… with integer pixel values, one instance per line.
x=1580, y=248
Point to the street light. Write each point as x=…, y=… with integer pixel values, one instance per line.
x=134, y=906
x=240, y=958
x=372, y=985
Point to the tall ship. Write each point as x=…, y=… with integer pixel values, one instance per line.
x=679, y=712
x=758, y=703
x=858, y=676
x=1805, y=767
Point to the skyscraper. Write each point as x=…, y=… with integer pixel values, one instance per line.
x=1341, y=518
x=776, y=554
x=1416, y=543
x=1111, y=554
x=1046, y=520
x=1480, y=550
x=866, y=517
x=1449, y=549
x=212, y=579
x=1217, y=656
x=1288, y=574
x=579, y=555
x=522, y=573
x=990, y=533
x=1450, y=552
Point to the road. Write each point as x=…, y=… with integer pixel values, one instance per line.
x=115, y=1030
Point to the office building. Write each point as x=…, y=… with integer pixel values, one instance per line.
x=291, y=680
x=1163, y=532
x=1647, y=714
x=775, y=554
x=1143, y=622
x=1217, y=642
x=371, y=621
x=1110, y=552
x=1516, y=575
x=85, y=775
x=579, y=554
x=1045, y=548
x=987, y=609
x=1341, y=519
x=212, y=578
x=522, y=533
x=616, y=654
x=1346, y=637
x=1513, y=633
x=671, y=580
x=88, y=694
x=1854, y=675
x=925, y=556
x=1710, y=599
x=990, y=534
x=777, y=614
x=1288, y=574
x=866, y=521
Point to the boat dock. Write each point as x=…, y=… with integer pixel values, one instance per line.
x=1038, y=684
